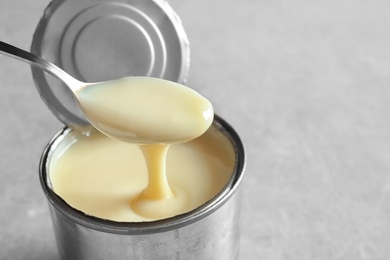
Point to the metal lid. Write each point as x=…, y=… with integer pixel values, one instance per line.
x=99, y=40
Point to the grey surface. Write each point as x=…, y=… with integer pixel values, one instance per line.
x=307, y=86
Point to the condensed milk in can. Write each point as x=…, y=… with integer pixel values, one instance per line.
x=75, y=36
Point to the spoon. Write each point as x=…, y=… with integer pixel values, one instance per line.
x=140, y=110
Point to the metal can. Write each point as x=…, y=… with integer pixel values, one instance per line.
x=149, y=41
x=208, y=232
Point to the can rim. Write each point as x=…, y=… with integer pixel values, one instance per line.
x=156, y=226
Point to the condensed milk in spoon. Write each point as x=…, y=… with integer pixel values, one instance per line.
x=146, y=110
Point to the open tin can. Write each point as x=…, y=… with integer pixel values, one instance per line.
x=69, y=34
x=210, y=231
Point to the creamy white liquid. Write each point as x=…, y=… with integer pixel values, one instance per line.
x=153, y=113
x=146, y=110
x=103, y=177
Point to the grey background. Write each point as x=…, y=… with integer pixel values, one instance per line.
x=306, y=85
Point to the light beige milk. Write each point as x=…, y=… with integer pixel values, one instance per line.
x=103, y=177
x=146, y=110
x=122, y=181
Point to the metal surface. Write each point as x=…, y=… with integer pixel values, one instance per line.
x=213, y=238
x=210, y=231
x=103, y=40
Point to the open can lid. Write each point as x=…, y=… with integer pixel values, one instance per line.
x=99, y=40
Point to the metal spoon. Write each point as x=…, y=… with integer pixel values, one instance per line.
x=118, y=114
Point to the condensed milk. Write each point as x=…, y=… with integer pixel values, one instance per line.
x=103, y=177
x=146, y=110
x=154, y=113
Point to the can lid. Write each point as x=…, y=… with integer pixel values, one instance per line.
x=99, y=40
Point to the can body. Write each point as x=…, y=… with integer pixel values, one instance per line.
x=208, y=232
x=214, y=237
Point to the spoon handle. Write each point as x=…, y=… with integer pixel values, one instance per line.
x=37, y=61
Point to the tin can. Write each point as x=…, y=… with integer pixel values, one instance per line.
x=78, y=37
x=210, y=231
